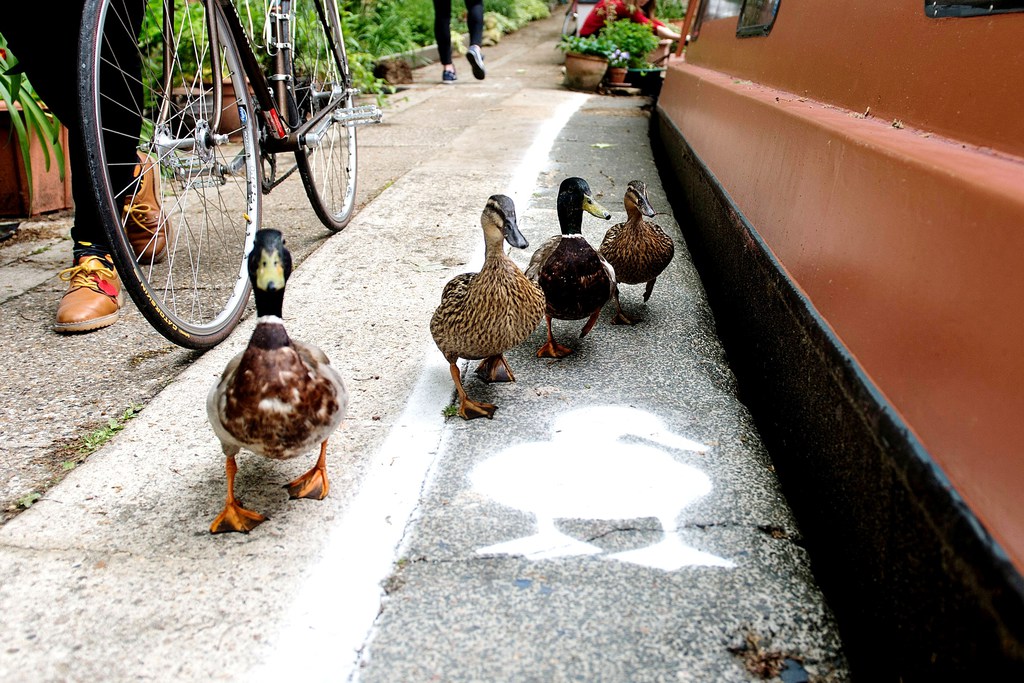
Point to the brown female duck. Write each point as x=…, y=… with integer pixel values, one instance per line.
x=277, y=398
x=638, y=250
x=576, y=280
x=484, y=314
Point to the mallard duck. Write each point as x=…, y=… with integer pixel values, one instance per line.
x=638, y=250
x=484, y=314
x=278, y=397
x=576, y=280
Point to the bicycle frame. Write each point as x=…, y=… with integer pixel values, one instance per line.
x=271, y=95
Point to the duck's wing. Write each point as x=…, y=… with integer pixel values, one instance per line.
x=611, y=236
x=456, y=288
x=611, y=273
x=311, y=354
x=541, y=256
x=323, y=402
x=316, y=360
x=449, y=319
x=659, y=241
x=215, y=401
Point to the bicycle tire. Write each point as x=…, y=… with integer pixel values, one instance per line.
x=207, y=188
x=570, y=24
x=328, y=168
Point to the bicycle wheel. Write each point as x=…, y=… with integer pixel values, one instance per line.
x=327, y=160
x=570, y=24
x=168, y=165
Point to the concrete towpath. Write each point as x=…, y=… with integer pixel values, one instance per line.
x=617, y=520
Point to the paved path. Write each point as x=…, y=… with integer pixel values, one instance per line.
x=618, y=519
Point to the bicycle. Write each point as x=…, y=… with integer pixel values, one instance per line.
x=575, y=14
x=177, y=86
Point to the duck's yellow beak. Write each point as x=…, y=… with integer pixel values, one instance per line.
x=270, y=271
x=592, y=207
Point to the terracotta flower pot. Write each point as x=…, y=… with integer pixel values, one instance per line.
x=584, y=72
x=48, y=192
x=616, y=75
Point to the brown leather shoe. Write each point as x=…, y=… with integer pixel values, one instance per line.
x=94, y=296
x=142, y=215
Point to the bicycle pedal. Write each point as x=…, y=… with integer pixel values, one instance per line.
x=358, y=116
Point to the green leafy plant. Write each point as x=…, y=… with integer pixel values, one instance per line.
x=598, y=45
x=519, y=12
x=28, y=500
x=27, y=116
x=95, y=440
x=628, y=36
x=671, y=10
x=378, y=28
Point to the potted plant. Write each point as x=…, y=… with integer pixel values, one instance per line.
x=29, y=134
x=639, y=41
x=629, y=36
x=618, y=60
x=586, y=60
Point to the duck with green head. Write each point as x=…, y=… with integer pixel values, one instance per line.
x=279, y=397
x=638, y=249
x=484, y=314
x=576, y=281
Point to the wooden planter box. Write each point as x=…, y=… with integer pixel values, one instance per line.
x=49, y=192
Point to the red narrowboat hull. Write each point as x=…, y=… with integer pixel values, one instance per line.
x=874, y=158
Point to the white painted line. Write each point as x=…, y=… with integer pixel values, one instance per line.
x=335, y=610
x=524, y=180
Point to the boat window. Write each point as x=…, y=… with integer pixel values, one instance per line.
x=714, y=9
x=970, y=8
x=757, y=17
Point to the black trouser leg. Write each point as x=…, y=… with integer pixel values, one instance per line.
x=443, y=30
x=475, y=21
x=48, y=54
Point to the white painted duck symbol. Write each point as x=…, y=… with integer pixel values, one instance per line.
x=586, y=471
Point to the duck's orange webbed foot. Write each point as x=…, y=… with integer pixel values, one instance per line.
x=470, y=409
x=553, y=349
x=622, y=319
x=312, y=484
x=236, y=518
x=495, y=369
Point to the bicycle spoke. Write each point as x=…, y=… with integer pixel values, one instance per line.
x=206, y=182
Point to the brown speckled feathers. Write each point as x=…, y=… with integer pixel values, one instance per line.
x=638, y=249
x=277, y=402
x=485, y=314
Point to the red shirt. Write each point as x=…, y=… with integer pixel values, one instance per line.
x=595, y=20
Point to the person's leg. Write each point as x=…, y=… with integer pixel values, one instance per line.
x=94, y=296
x=475, y=22
x=443, y=37
x=49, y=61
